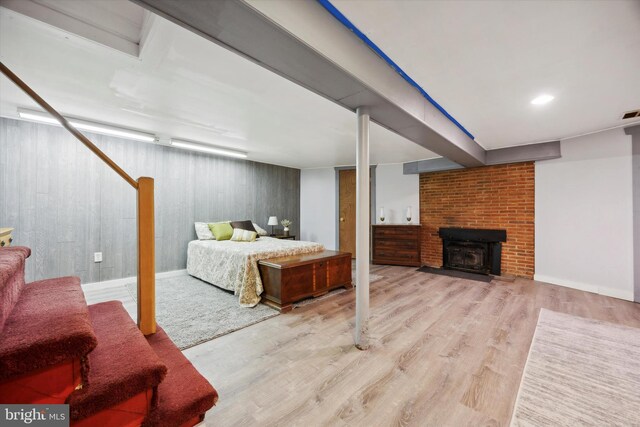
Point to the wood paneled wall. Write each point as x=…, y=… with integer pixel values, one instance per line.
x=65, y=204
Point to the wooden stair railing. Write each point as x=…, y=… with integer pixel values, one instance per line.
x=145, y=214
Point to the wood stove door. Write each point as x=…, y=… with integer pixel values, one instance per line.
x=468, y=256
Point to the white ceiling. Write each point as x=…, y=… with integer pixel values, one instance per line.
x=189, y=88
x=484, y=61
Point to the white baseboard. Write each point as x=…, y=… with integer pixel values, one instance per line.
x=602, y=290
x=125, y=280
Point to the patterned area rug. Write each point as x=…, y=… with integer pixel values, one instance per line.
x=192, y=311
x=580, y=372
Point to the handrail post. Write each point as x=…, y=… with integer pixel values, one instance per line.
x=146, y=258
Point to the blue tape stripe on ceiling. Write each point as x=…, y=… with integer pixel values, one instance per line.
x=345, y=21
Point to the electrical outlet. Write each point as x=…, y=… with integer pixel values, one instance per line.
x=97, y=257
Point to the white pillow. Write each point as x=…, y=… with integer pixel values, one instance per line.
x=261, y=231
x=240, y=235
x=203, y=232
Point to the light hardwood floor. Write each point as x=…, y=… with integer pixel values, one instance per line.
x=445, y=352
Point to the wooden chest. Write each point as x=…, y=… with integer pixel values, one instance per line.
x=293, y=278
x=396, y=244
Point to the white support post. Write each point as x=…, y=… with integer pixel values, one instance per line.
x=362, y=229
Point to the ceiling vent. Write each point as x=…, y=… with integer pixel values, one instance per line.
x=631, y=114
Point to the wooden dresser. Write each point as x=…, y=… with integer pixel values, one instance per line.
x=396, y=244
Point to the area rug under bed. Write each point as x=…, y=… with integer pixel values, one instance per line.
x=192, y=311
x=580, y=372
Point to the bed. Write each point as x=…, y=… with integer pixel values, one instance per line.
x=234, y=265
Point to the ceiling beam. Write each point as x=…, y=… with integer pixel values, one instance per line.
x=524, y=153
x=521, y=153
x=73, y=25
x=302, y=42
x=431, y=165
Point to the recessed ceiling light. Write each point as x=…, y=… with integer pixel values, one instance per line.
x=542, y=99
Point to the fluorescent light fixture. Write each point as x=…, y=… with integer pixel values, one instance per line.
x=542, y=99
x=205, y=148
x=38, y=117
x=41, y=117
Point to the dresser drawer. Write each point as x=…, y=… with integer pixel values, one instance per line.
x=413, y=262
x=394, y=253
x=396, y=233
x=396, y=244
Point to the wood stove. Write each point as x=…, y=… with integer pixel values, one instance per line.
x=472, y=250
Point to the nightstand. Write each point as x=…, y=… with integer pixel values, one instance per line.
x=282, y=236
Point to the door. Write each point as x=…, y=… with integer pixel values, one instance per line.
x=347, y=212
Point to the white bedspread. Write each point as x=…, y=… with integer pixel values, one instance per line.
x=234, y=265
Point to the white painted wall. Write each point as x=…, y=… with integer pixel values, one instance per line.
x=396, y=192
x=584, y=215
x=318, y=206
x=584, y=212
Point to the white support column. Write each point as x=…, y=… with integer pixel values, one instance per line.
x=362, y=229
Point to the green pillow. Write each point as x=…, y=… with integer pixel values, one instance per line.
x=221, y=230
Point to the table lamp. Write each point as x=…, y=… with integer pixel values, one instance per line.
x=273, y=220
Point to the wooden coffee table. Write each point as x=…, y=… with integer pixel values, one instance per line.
x=293, y=278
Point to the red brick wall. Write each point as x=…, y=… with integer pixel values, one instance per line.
x=495, y=197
